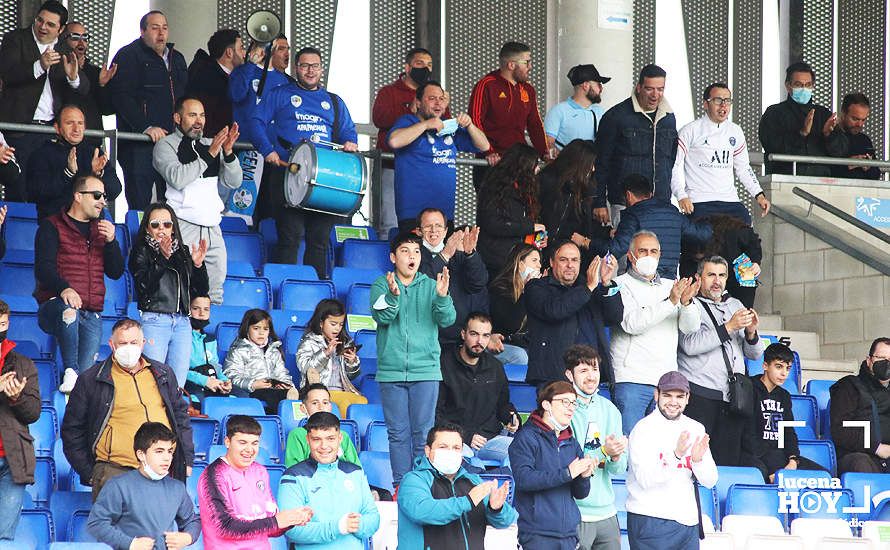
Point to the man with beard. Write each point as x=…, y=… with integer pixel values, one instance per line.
x=97, y=101
x=426, y=150
x=850, y=141
x=668, y=458
x=192, y=166
x=53, y=166
x=474, y=393
x=209, y=76
x=726, y=337
x=579, y=116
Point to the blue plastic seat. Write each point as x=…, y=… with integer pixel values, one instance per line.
x=358, y=300
x=76, y=484
x=224, y=314
x=132, y=219
x=791, y=475
x=26, y=210
x=344, y=277
x=370, y=388
x=35, y=528
x=341, y=232
x=804, y=408
x=47, y=377
x=619, y=487
x=292, y=336
x=278, y=273
x=233, y=224
x=45, y=431
x=59, y=403
x=365, y=254
x=271, y=436
x=376, y=438
x=205, y=432
x=367, y=339
x=303, y=295
x=275, y=472
x=709, y=507
x=523, y=397
x=515, y=373
x=77, y=527
x=217, y=451
x=819, y=451
x=377, y=468
x=270, y=237
x=728, y=476
x=816, y=505
x=245, y=247
x=792, y=383
x=122, y=235
x=220, y=407
x=820, y=389
x=21, y=304
x=864, y=488
x=23, y=326
x=19, y=234
x=44, y=482
x=501, y=479
x=283, y=319
x=236, y=268
x=365, y=414
x=63, y=504
x=754, y=500
x=350, y=430
x=63, y=467
x=251, y=292
x=191, y=482
x=226, y=334
x=16, y=279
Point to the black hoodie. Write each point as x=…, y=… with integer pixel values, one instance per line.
x=770, y=407
x=859, y=397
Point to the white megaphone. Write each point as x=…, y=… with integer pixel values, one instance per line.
x=263, y=26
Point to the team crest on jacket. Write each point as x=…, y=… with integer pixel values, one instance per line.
x=523, y=95
x=732, y=140
x=348, y=485
x=255, y=83
x=261, y=486
x=325, y=105
x=502, y=95
x=296, y=101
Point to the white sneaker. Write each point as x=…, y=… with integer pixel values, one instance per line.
x=68, y=380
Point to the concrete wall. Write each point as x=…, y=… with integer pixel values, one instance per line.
x=818, y=288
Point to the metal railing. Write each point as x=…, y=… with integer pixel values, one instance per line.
x=835, y=211
x=882, y=165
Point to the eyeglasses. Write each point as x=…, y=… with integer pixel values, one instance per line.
x=77, y=36
x=567, y=403
x=523, y=61
x=155, y=224
x=97, y=195
x=718, y=101
x=433, y=227
x=307, y=66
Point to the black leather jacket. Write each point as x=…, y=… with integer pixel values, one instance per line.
x=166, y=285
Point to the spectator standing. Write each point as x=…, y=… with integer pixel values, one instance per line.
x=19, y=407
x=55, y=164
x=109, y=403
x=70, y=267
x=639, y=136
x=34, y=76
x=314, y=398
x=577, y=117
x=167, y=274
x=726, y=336
x=195, y=168
x=209, y=73
x=151, y=76
x=848, y=139
x=668, y=459
x=97, y=102
x=409, y=309
x=440, y=502
x=238, y=511
x=9, y=167
x=244, y=80
x=205, y=373
x=506, y=305
x=343, y=511
x=550, y=471
x=137, y=509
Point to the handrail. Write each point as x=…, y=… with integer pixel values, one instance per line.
x=882, y=165
x=831, y=209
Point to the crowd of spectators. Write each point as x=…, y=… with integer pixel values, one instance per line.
x=579, y=267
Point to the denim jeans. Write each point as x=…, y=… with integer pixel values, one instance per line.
x=513, y=355
x=168, y=339
x=11, y=495
x=77, y=331
x=140, y=177
x=409, y=409
x=634, y=401
x=495, y=448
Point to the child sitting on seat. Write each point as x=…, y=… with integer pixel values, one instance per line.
x=327, y=354
x=255, y=362
x=205, y=373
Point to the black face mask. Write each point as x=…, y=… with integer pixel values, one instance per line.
x=420, y=75
x=199, y=324
x=881, y=369
x=3, y=335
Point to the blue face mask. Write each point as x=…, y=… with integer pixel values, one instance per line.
x=801, y=95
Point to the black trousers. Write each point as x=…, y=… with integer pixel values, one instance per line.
x=295, y=224
x=24, y=143
x=140, y=177
x=726, y=429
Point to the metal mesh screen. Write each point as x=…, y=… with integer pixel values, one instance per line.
x=861, y=62
x=9, y=17
x=392, y=34
x=707, y=22
x=474, y=32
x=97, y=16
x=644, y=35
x=312, y=24
x=747, y=84
x=233, y=14
x=818, y=28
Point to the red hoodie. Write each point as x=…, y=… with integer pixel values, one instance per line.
x=504, y=111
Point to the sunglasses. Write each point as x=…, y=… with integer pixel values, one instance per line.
x=97, y=195
x=155, y=224
x=79, y=36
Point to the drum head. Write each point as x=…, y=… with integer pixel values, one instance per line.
x=297, y=185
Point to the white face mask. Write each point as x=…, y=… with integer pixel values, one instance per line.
x=556, y=425
x=128, y=355
x=152, y=475
x=646, y=266
x=434, y=249
x=446, y=461
x=530, y=271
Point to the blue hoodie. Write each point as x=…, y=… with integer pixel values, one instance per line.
x=436, y=513
x=332, y=491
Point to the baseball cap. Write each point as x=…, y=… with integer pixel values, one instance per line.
x=673, y=380
x=585, y=73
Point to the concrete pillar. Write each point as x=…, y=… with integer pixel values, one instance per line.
x=191, y=23
x=582, y=41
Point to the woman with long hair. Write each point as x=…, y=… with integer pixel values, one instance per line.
x=505, y=302
x=508, y=210
x=167, y=275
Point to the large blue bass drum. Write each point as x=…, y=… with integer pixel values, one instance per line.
x=324, y=180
